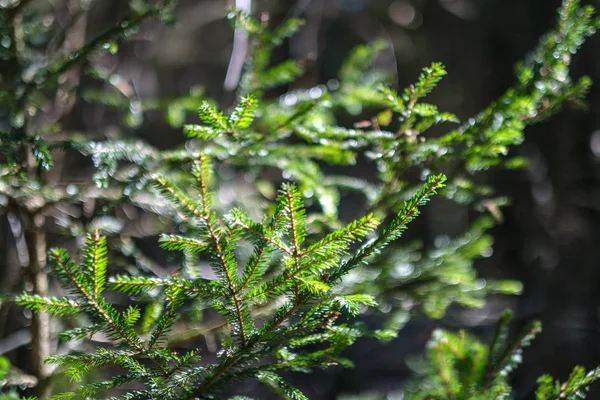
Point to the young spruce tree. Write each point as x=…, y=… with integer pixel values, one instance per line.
x=287, y=276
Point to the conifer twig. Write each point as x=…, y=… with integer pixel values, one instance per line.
x=217, y=245
x=275, y=243
x=107, y=318
x=295, y=244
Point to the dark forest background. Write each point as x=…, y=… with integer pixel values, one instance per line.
x=550, y=236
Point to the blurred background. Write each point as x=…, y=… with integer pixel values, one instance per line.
x=549, y=237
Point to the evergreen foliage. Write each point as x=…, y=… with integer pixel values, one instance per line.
x=461, y=367
x=308, y=312
x=287, y=273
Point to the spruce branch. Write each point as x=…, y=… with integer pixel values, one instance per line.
x=294, y=213
x=240, y=220
x=337, y=242
x=55, y=306
x=95, y=262
x=278, y=282
x=281, y=387
x=214, y=118
x=165, y=323
x=409, y=211
x=496, y=343
x=244, y=113
x=134, y=285
x=222, y=249
x=512, y=355
x=84, y=288
x=573, y=388
x=459, y=368
x=182, y=243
